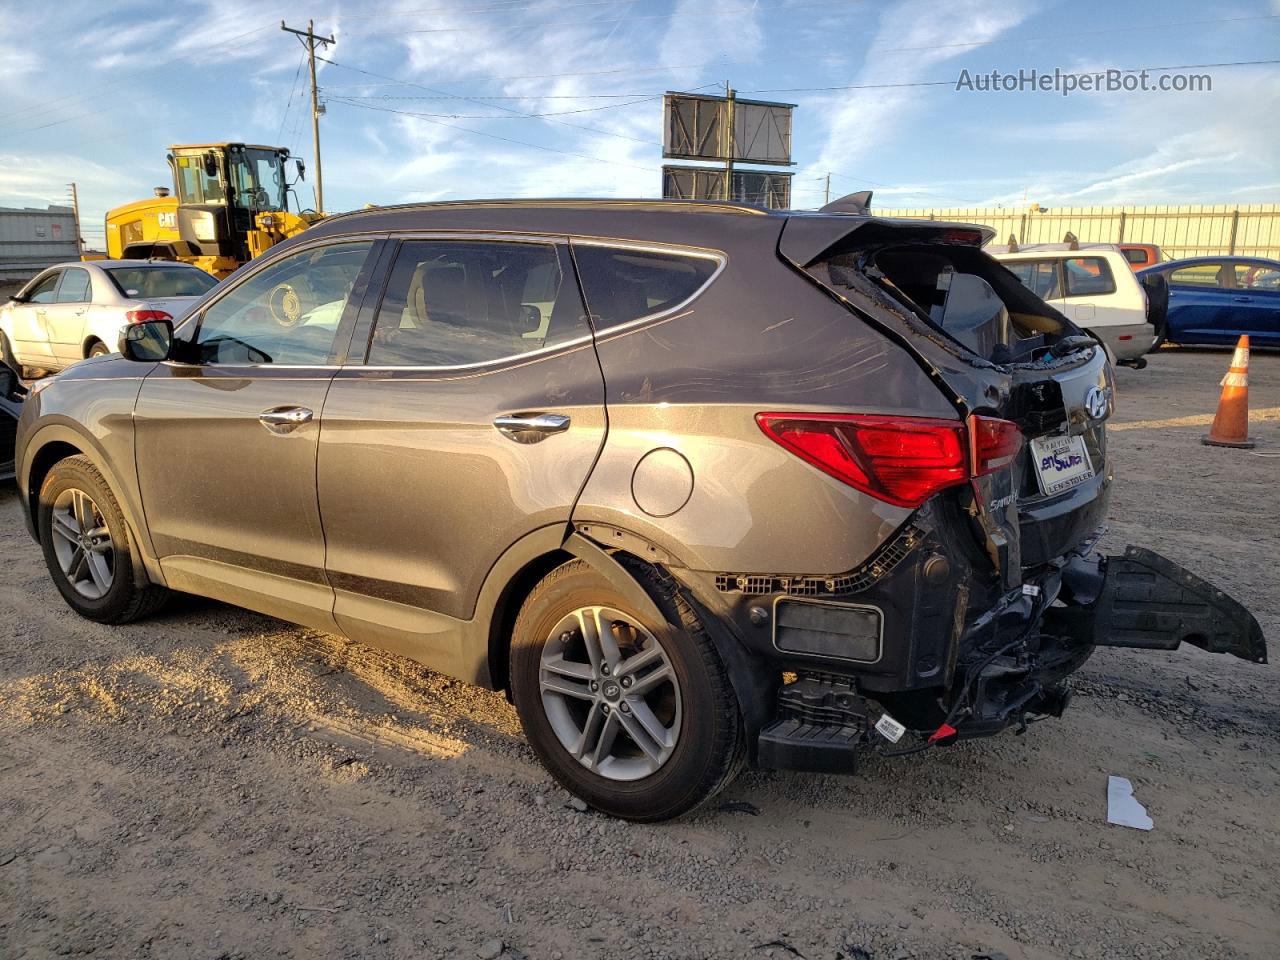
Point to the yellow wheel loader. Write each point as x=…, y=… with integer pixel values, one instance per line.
x=229, y=203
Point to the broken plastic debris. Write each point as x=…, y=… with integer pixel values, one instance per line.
x=1123, y=808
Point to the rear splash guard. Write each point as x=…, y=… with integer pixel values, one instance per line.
x=1141, y=599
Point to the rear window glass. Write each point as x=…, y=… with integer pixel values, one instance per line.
x=1135, y=256
x=1087, y=276
x=150, y=283
x=623, y=285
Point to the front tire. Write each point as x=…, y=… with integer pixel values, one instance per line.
x=86, y=546
x=638, y=719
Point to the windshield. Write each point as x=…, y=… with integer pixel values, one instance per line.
x=154, y=283
x=258, y=178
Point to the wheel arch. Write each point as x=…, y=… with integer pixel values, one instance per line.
x=530, y=559
x=89, y=341
x=56, y=442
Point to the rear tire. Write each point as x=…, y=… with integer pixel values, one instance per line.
x=699, y=747
x=99, y=349
x=87, y=548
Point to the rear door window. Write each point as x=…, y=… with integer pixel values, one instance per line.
x=1087, y=277
x=1038, y=276
x=75, y=287
x=623, y=284
x=1257, y=276
x=460, y=302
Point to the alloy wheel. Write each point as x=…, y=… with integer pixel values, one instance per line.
x=82, y=543
x=610, y=693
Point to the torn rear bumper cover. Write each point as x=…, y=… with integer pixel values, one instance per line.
x=1014, y=661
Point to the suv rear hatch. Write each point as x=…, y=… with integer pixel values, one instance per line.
x=995, y=350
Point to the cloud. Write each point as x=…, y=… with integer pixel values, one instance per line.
x=863, y=121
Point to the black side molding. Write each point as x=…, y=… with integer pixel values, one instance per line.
x=1147, y=601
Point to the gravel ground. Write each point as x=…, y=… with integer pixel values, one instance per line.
x=216, y=784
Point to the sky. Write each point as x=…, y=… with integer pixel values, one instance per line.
x=455, y=99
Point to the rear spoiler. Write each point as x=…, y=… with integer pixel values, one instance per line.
x=807, y=238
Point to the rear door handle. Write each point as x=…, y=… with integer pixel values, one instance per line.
x=285, y=419
x=1243, y=299
x=531, y=427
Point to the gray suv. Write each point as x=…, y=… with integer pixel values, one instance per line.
x=697, y=484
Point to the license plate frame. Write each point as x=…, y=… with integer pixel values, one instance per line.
x=1055, y=476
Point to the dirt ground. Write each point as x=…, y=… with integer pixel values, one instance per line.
x=215, y=784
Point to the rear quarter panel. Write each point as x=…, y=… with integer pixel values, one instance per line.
x=760, y=338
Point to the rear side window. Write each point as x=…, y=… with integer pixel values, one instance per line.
x=1135, y=255
x=1201, y=275
x=457, y=302
x=1087, y=277
x=1038, y=276
x=622, y=285
x=75, y=286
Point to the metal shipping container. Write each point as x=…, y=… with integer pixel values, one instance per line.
x=32, y=239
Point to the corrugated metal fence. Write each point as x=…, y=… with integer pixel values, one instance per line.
x=1251, y=230
x=31, y=240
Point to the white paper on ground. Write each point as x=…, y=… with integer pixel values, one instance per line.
x=1123, y=808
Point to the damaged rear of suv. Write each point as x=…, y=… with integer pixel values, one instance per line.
x=697, y=484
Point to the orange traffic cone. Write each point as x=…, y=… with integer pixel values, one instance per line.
x=1231, y=422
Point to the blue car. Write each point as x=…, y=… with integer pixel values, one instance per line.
x=1213, y=300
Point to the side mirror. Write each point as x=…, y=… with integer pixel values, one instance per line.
x=302, y=169
x=147, y=342
x=210, y=165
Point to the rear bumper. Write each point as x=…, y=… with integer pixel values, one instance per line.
x=1127, y=341
x=1009, y=664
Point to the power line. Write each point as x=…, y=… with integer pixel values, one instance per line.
x=952, y=83
x=288, y=103
x=546, y=119
x=509, y=116
x=494, y=136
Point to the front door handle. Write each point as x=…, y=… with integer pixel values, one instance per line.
x=531, y=427
x=285, y=419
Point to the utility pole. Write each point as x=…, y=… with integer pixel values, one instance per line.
x=729, y=144
x=75, y=212
x=309, y=40
x=827, y=192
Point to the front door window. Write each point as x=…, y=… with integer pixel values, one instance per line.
x=287, y=313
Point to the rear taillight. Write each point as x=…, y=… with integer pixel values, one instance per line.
x=995, y=444
x=142, y=316
x=900, y=460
